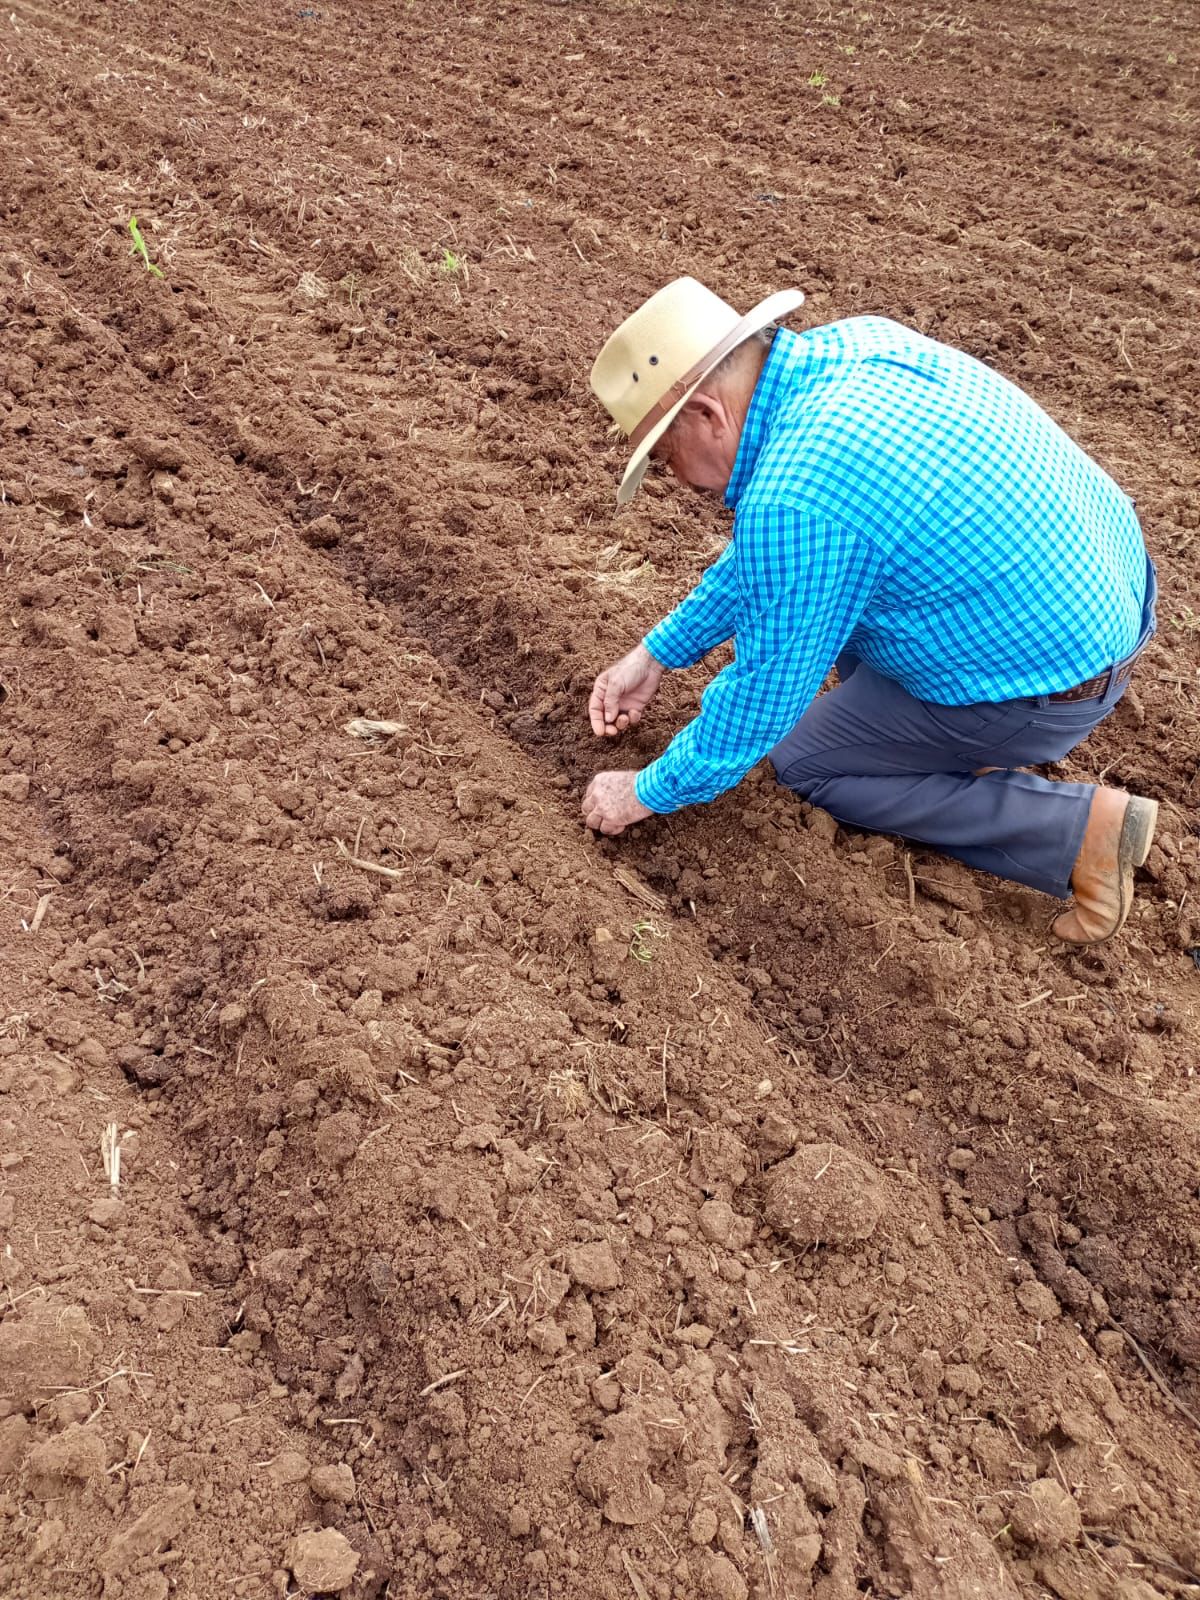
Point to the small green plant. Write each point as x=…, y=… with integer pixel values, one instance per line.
x=831, y=100
x=817, y=79
x=450, y=265
x=140, y=248
x=641, y=946
x=353, y=290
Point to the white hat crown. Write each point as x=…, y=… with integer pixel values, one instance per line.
x=651, y=364
x=655, y=346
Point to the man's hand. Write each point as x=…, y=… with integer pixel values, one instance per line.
x=611, y=803
x=622, y=692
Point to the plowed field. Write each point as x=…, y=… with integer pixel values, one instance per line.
x=742, y=1207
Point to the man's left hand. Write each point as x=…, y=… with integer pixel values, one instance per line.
x=611, y=803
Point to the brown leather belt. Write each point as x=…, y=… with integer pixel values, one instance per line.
x=1101, y=684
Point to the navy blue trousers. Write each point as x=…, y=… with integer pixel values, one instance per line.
x=878, y=759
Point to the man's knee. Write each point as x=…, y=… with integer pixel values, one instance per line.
x=792, y=767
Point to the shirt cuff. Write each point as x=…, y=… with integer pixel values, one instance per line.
x=671, y=648
x=652, y=791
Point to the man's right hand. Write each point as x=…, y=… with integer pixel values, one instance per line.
x=623, y=691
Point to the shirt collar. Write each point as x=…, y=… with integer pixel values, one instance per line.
x=758, y=418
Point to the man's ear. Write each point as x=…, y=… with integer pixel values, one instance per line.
x=710, y=411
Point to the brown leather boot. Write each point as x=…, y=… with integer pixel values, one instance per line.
x=1120, y=828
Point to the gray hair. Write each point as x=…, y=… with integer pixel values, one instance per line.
x=761, y=339
x=759, y=342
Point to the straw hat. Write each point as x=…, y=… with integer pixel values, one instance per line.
x=659, y=355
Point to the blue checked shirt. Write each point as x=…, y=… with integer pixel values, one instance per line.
x=899, y=499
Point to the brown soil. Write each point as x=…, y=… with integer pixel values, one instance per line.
x=744, y=1207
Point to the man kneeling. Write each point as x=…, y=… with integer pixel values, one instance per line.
x=903, y=512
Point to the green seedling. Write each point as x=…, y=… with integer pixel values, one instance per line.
x=450, y=265
x=140, y=248
x=817, y=79
x=641, y=946
x=351, y=284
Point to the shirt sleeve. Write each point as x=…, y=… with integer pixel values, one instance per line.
x=701, y=622
x=802, y=584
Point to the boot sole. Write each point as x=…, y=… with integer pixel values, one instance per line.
x=1133, y=846
x=1137, y=835
x=1137, y=831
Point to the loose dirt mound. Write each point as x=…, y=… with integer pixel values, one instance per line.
x=404, y=1192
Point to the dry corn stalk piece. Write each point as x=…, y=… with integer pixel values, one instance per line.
x=110, y=1155
x=367, y=728
x=368, y=866
x=638, y=889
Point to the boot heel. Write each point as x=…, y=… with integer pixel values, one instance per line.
x=1137, y=832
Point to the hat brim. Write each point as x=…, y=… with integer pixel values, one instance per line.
x=771, y=309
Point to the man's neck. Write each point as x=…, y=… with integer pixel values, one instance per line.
x=741, y=401
x=743, y=381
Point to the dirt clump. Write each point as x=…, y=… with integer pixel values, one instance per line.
x=334, y=1482
x=1046, y=1515
x=823, y=1194
x=593, y=1266
x=75, y=1455
x=323, y=1562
